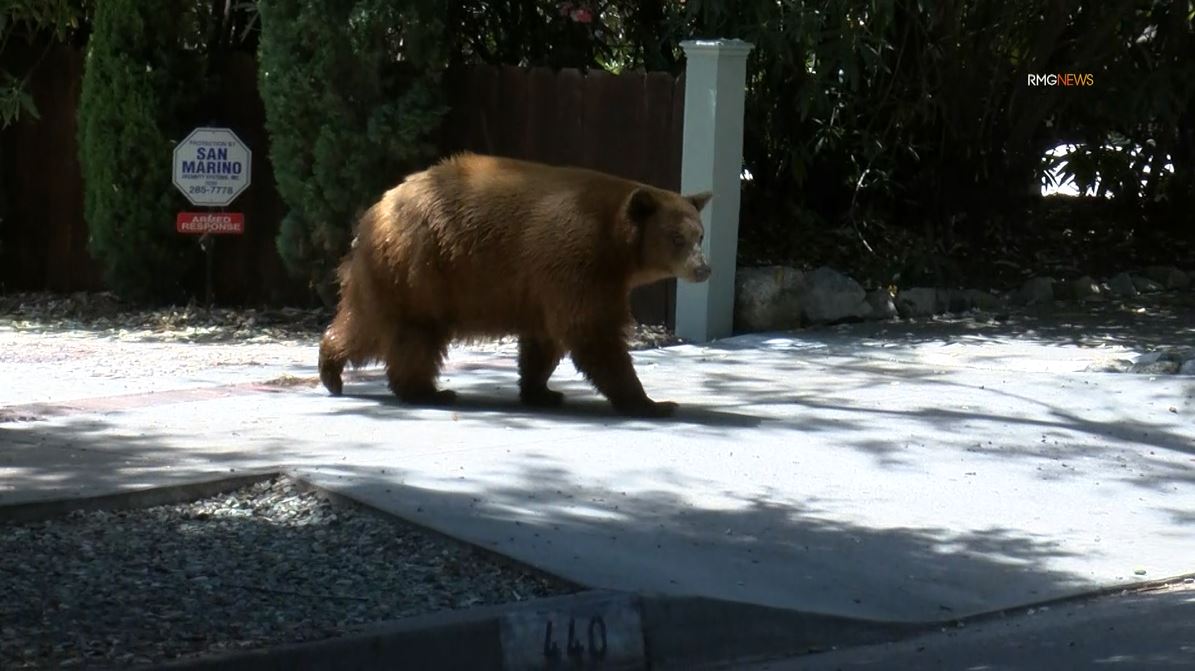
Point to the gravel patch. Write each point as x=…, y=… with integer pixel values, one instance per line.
x=103, y=314
x=268, y=564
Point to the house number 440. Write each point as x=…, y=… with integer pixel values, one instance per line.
x=594, y=636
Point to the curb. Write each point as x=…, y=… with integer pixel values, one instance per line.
x=701, y=632
x=593, y=630
x=641, y=631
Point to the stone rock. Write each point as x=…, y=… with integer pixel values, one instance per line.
x=954, y=301
x=983, y=300
x=1083, y=288
x=829, y=297
x=1122, y=285
x=1168, y=276
x=1037, y=290
x=1113, y=366
x=1157, y=363
x=883, y=305
x=1188, y=367
x=1145, y=285
x=1185, y=354
x=768, y=298
x=917, y=302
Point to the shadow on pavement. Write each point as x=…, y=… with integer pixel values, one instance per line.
x=897, y=573
x=576, y=410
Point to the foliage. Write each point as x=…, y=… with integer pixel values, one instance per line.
x=1143, y=115
x=865, y=117
x=609, y=34
x=919, y=115
x=27, y=20
x=351, y=90
x=229, y=25
x=140, y=86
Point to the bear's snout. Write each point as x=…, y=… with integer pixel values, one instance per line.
x=701, y=273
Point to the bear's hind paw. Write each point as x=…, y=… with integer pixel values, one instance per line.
x=332, y=383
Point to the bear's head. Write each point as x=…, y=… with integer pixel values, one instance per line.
x=668, y=234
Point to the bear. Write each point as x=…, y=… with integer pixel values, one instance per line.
x=478, y=247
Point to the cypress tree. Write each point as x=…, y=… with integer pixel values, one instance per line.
x=351, y=92
x=139, y=89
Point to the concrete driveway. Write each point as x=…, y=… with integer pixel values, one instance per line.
x=901, y=472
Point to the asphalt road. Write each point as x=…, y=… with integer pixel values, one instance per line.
x=1142, y=631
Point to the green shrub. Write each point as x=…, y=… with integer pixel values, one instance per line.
x=140, y=85
x=872, y=125
x=352, y=98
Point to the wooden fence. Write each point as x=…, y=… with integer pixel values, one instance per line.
x=43, y=238
x=629, y=125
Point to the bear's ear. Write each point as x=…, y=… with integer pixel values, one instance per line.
x=641, y=205
x=699, y=200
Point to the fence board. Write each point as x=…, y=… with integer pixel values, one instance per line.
x=570, y=118
x=657, y=128
x=44, y=243
x=485, y=96
x=541, y=134
x=677, y=129
x=511, y=113
x=632, y=142
x=455, y=128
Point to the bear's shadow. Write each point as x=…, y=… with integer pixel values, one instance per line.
x=575, y=409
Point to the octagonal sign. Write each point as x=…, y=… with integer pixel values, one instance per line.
x=212, y=166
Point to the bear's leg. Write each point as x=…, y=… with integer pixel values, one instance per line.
x=413, y=364
x=538, y=358
x=605, y=362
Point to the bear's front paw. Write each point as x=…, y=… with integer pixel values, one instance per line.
x=650, y=409
x=541, y=398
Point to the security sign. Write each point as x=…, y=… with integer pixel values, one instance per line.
x=210, y=223
x=212, y=167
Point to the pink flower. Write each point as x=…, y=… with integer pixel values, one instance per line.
x=581, y=15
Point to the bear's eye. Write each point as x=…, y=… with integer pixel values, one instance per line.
x=678, y=239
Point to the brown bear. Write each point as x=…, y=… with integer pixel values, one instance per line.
x=481, y=247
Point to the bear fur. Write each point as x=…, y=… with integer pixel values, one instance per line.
x=479, y=247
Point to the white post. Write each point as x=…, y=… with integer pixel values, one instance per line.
x=715, y=91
